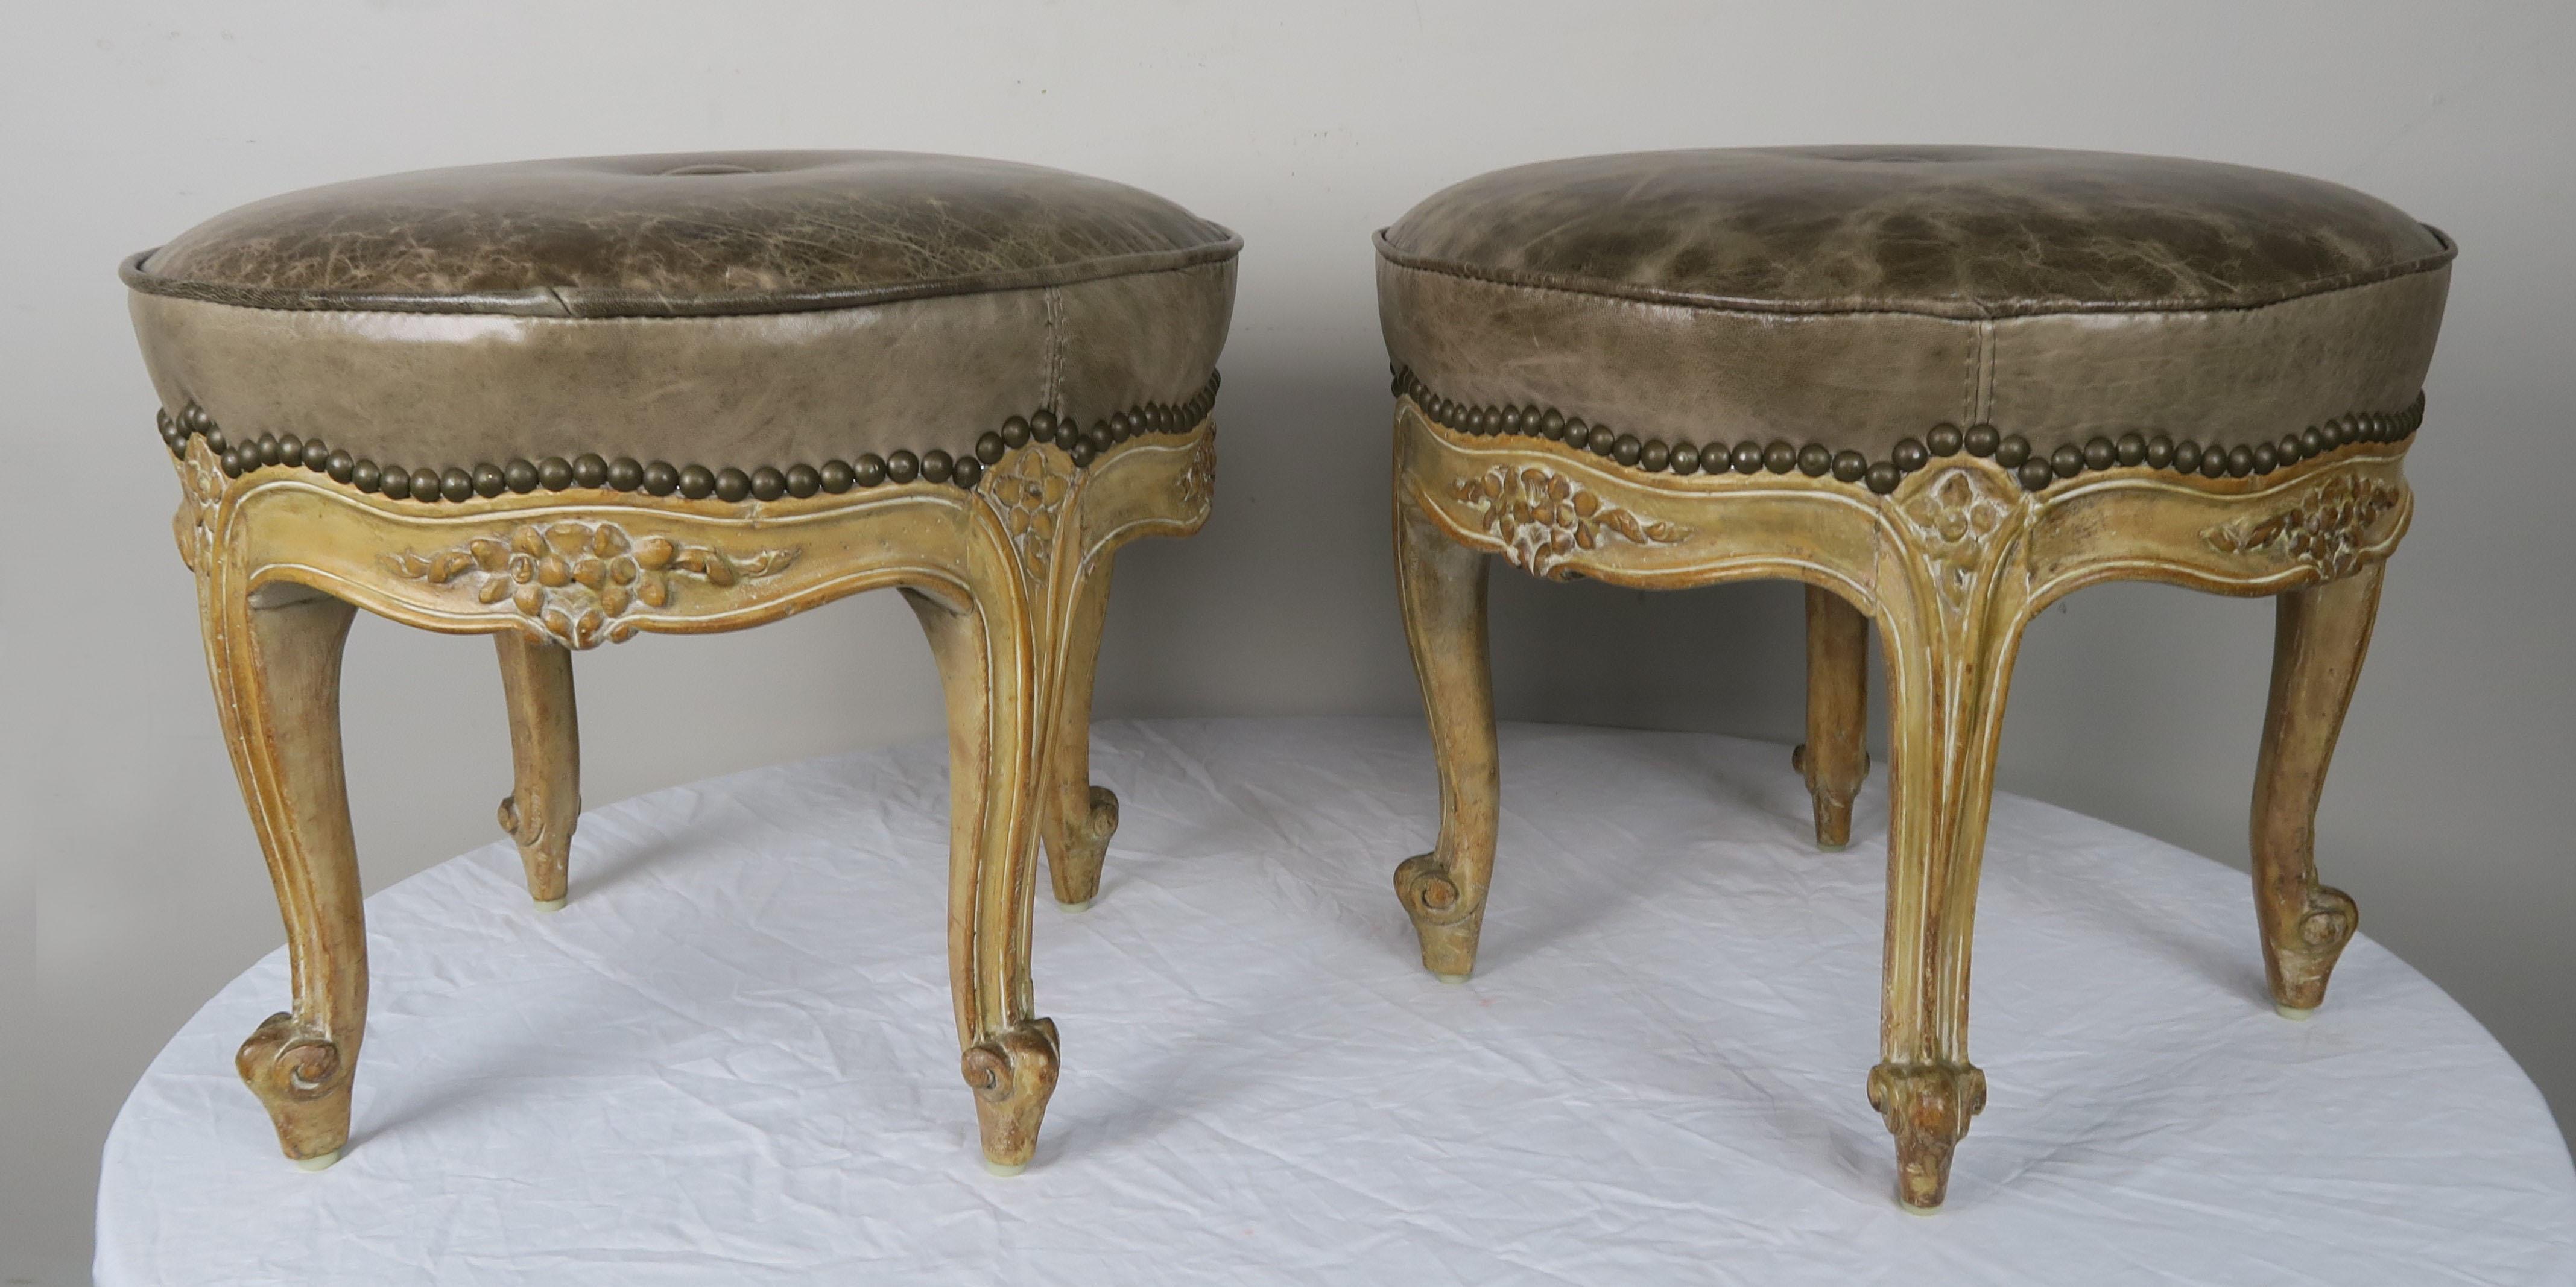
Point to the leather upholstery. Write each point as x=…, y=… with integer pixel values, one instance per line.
x=1856, y=297
x=730, y=310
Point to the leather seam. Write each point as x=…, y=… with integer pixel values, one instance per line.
x=619, y=304
x=1054, y=375
x=664, y=318
x=1966, y=311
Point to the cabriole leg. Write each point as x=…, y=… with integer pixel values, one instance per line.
x=2317, y=647
x=275, y=658
x=1835, y=758
x=1009, y=1055
x=544, y=803
x=1442, y=584
x=1080, y=817
x=1947, y=680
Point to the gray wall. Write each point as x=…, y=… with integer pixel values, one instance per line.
x=129, y=882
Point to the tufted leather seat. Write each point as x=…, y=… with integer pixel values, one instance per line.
x=728, y=310
x=1858, y=296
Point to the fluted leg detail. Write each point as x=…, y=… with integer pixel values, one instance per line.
x=1442, y=585
x=986, y=648
x=2322, y=633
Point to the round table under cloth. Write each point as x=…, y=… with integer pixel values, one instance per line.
x=730, y=1059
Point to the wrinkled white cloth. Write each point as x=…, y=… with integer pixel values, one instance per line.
x=731, y=1059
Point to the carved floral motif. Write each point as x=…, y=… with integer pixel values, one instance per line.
x=577, y=582
x=201, y=498
x=1544, y=517
x=1956, y=520
x=1197, y=482
x=2323, y=529
x=1029, y=492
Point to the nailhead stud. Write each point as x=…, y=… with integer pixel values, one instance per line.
x=768, y=483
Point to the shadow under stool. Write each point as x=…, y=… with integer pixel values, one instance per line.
x=562, y=402
x=1943, y=387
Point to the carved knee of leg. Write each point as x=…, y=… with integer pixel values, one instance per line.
x=1443, y=916
x=1927, y=1108
x=1012, y=1074
x=301, y=1078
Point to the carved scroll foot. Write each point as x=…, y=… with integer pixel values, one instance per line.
x=2302, y=954
x=1012, y=1074
x=302, y=1081
x=1077, y=848
x=1927, y=1107
x=1443, y=919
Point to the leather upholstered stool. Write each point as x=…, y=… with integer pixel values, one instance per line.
x=1942, y=387
x=561, y=402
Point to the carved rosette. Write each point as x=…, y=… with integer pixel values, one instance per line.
x=1028, y=493
x=577, y=582
x=2323, y=529
x=1544, y=518
x=1957, y=521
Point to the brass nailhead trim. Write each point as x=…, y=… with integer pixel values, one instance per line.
x=2012, y=451
x=696, y=482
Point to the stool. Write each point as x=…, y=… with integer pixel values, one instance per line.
x=562, y=402
x=1943, y=387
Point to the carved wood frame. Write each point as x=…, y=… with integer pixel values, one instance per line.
x=1952, y=565
x=1010, y=580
